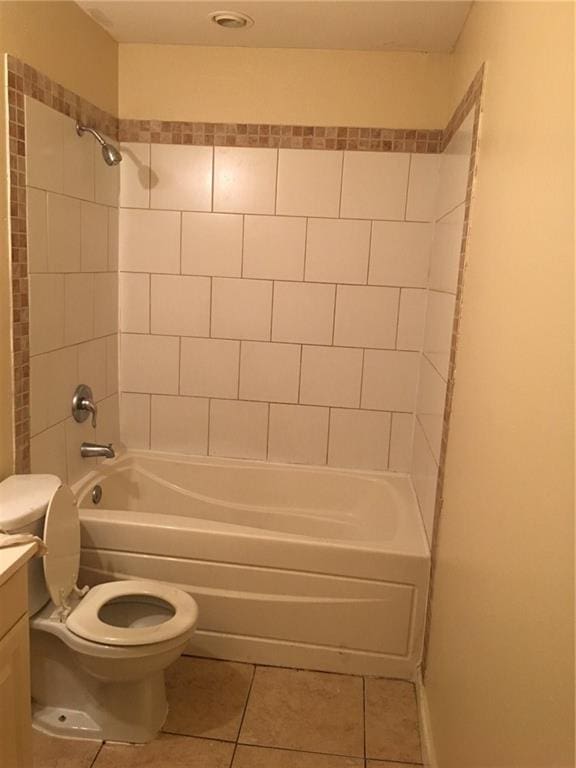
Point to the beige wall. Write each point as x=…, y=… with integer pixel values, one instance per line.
x=62, y=42
x=393, y=90
x=500, y=679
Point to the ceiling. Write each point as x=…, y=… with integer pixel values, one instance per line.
x=376, y=25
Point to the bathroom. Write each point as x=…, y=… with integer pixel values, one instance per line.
x=324, y=444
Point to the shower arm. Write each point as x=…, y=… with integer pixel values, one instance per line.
x=81, y=129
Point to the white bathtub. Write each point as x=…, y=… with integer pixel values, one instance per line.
x=291, y=566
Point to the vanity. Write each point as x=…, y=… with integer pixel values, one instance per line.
x=15, y=717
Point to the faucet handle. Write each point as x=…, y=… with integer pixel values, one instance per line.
x=83, y=404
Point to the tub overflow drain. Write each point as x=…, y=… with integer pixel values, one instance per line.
x=96, y=494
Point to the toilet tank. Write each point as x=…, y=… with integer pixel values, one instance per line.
x=24, y=500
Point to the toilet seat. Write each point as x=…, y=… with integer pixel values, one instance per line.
x=85, y=621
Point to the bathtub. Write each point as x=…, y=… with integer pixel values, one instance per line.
x=291, y=566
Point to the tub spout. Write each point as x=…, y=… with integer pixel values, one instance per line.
x=92, y=450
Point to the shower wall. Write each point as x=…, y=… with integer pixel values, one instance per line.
x=72, y=222
x=272, y=301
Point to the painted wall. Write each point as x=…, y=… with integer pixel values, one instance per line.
x=500, y=677
x=392, y=90
x=63, y=42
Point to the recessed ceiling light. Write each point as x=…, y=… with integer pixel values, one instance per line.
x=231, y=19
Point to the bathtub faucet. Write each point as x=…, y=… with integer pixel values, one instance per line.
x=93, y=450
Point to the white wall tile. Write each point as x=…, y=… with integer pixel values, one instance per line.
x=238, y=429
x=430, y=407
x=134, y=302
x=94, y=237
x=212, y=244
x=181, y=177
x=438, y=334
x=298, y=434
x=78, y=157
x=105, y=303
x=269, y=371
x=454, y=167
x=390, y=380
x=331, y=376
x=303, y=313
x=64, y=227
x=180, y=305
x=108, y=426
x=274, y=247
x=48, y=453
x=112, y=364
x=423, y=187
x=401, y=442
x=113, y=236
x=76, y=434
x=374, y=185
x=135, y=175
x=44, y=146
x=445, y=252
x=149, y=364
x=366, y=316
x=244, y=179
x=37, y=223
x=359, y=439
x=309, y=182
x=135, y=420
x=91, y=369
x=424, y=476
x=209, y=367
x=411, y=319
x=54, y=377
x=78, y=308
x=179, y=424
x=400, y=253
x=337, y=251
x=241, y=309
x=46, y=312
x=149, y=241
x=106, y=177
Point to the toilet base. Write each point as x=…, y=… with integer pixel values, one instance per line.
x=70, y=702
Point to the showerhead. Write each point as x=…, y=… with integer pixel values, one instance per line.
x=110, y=154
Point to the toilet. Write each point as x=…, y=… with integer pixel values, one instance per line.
x=98, y=654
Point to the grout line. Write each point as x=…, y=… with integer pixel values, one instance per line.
x=268, y=435
x=343, y=155
x=397, y=319
x=364, y=715
x=361, y=382
x=181, y=234
x=276, y=180
x=369, y=260
x=209, y=426
x=242, y=245
x=239, y=369
x=328, y=433
x=408, y=185
x=150, y=396
x=96, y=756
x=390, y=441
x=213, y=180
x=300, y=374
x=210, y=312
x=272, y=308
x=305, y=264
x=243, y=714
x=336, y=292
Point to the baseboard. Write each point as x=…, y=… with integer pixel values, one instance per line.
x=426, y=735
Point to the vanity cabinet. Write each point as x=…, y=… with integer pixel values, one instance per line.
x=15, y=715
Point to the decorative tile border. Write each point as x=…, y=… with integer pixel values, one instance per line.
x=471, y=102
x=281, y=136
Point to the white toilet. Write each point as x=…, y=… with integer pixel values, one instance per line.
x=97, y=655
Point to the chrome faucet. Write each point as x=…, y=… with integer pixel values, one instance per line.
x=94, y=450
x=83, y=404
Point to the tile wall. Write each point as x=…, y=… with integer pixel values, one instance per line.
x=72, y=214
x=273, y=301
x=443, y=281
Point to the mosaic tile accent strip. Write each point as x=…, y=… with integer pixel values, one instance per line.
x=24, y=80
x=471, y=102
x=281, y=136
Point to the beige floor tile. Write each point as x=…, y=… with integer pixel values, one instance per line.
x=388, y=764
x=392, y=721
x=167, y=751
x=206, y=697
x=262, y=757
x=50, y=752
x=312, y=711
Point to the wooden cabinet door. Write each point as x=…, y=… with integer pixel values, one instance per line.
x=15, y=718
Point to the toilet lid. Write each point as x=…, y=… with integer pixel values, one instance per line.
x=62, y=539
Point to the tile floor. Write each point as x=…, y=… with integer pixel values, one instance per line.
x=230, y=715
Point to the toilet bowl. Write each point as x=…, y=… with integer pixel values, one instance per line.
x=97, y=655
